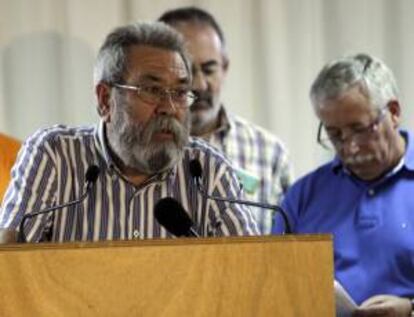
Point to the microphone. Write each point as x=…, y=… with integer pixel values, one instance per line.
x=172, y=216
x=196, y=172
x=91, y=176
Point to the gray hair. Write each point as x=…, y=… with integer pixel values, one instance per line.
x=111, y=62
x=368, y=73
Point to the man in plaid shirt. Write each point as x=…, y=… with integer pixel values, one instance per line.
x=260, y=158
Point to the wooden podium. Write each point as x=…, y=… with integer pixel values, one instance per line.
x=250, y=276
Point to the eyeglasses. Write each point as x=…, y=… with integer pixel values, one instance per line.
x=334, y=140
x=181, y=97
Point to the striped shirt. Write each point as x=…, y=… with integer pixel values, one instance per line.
x=50, y=170
x=261, y=162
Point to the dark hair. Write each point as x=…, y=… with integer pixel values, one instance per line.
x=192, y=15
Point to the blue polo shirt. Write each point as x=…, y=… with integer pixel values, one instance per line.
x=372, y=224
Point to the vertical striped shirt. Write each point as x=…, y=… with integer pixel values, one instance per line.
x=50, y=170
x=261, y=162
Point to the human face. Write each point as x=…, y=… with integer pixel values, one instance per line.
x=148, y=137
x=209, y=65
x=351, y=112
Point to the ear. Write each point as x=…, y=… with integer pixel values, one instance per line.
x=103, y=96
x=395, y=111
x=226, y=63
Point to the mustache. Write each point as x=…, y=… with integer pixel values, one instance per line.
x=203, y=97
x=171, y=125
x=133, y=134
x=358, y=159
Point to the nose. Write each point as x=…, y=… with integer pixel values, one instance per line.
x=166, y=105
x=199, y=81
x=349, y=146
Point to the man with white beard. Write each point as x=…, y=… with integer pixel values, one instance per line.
x=364, y=196
x=141, y=146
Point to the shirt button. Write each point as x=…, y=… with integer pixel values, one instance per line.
x=136, y=234
x=371, y=192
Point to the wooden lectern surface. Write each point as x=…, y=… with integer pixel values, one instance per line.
x=250, y=276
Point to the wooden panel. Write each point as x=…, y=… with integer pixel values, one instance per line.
x=256, y=276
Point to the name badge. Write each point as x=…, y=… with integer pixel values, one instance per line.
x=249, y=181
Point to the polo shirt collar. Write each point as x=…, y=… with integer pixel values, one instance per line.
x=409, y=151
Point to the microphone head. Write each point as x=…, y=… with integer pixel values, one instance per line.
x=172, y=216
x=196, y=170
x=92, y=174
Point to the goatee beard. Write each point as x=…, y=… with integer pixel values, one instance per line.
x=135, y=146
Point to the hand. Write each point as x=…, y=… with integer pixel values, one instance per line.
x=384, y=306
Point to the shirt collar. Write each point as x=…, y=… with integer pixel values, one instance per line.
x=409, y=149
x=224, y=123
x=100, y=138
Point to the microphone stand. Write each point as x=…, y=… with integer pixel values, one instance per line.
x=21, y=238
x=275, y=208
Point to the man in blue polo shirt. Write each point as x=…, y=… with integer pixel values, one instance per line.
x=365, y=195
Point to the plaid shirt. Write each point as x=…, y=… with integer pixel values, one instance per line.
x=50, y=171
x=261, y=162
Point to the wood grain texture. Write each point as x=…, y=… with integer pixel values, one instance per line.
x=251, y=276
